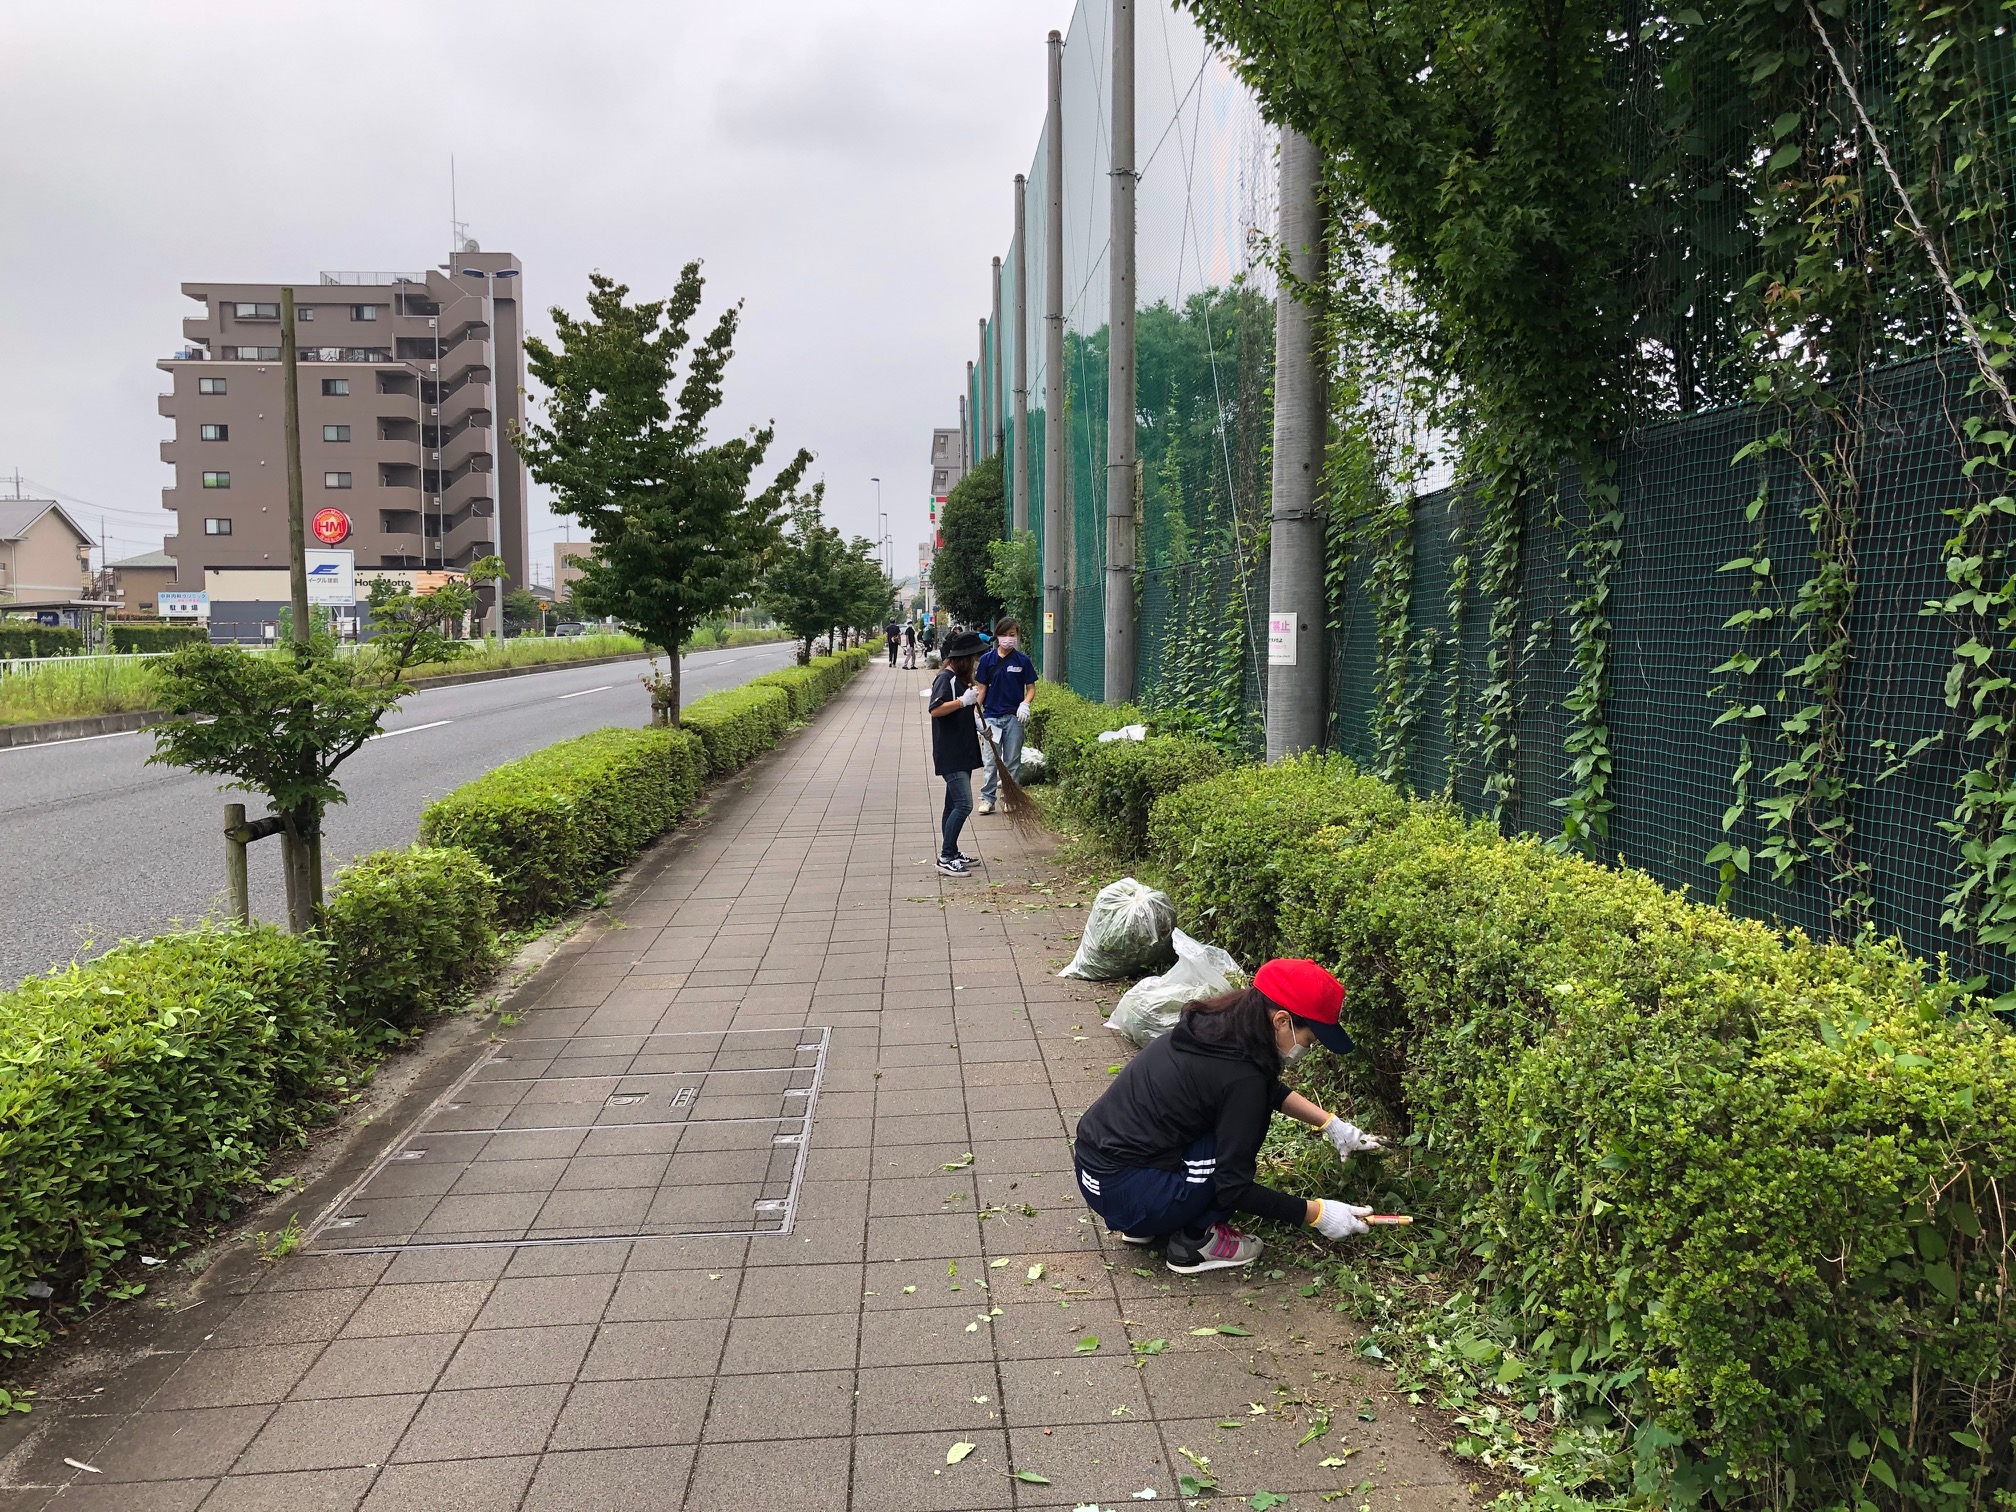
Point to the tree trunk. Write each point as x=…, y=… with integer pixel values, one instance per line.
x=296, y=865
x=804, y=650
x=670, y=696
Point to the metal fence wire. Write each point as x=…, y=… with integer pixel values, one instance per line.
x=1205, y=325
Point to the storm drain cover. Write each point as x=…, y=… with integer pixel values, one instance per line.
x=593, y=1137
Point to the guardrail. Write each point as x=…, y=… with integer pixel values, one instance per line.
x=13, y=665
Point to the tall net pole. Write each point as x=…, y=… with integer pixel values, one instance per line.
x=1054, y=553
x=1121, y=627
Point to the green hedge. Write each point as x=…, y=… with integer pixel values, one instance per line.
x=162, y=637
x=738, y=725
x=18, y=638
x=139, y=1091
x=811, y=685
x=409, y=931
x=552, y=823
x=1062, y=725
x=1113, y=786
x=1749, y=1193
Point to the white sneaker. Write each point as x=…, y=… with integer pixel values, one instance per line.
x=951, y=868
x=986, y=805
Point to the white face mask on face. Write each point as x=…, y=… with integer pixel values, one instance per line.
x=1294, y=1053
x=1008, y=643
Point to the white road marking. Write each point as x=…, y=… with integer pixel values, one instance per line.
x=43, y=745
x=431, y=724
x=586, y=691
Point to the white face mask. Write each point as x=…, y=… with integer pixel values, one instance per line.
x=1294, y=1053
x=1008, y=643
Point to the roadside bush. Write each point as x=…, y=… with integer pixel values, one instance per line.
x=738, y=725
x=408, y=931
x=811, y=685
x=552, y=823
x=1741, y=1194
x=1061, y=724
x=18, y=638
x=1221, y=844
x=1113, y=786
x=161, y=637
x=139, y=1090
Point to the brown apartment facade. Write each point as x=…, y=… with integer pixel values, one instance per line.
x=410, y=385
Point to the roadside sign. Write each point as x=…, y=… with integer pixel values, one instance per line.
x=330, y=526
x=178, y=605
x=332, y=578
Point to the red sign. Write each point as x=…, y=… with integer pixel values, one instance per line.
x=331, y=526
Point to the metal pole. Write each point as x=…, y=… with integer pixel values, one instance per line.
x=1019, y=499
x=1054, y=527
x=1121, y=628
x=297, y=537
x=983, y=423
x=236, y=879
x=972, y=457
x=1297, y=705
x=995, y=372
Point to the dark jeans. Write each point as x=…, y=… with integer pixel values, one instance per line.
x=1148, y=1203
x=958, y=804
x=892, y=653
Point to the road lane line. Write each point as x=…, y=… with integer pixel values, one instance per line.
x=43, y=745
x=431, y=724
x=586, y=691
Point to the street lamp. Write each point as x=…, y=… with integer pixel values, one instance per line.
x=880, y=522
x=489, y=278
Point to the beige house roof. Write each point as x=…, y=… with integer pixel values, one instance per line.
x=18, y=517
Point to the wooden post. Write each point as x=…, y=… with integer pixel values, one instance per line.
x=236, y=880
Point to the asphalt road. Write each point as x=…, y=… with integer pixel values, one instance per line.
x=96, y=846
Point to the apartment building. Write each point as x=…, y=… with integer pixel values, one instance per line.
x=948, y=460
x=409, y=384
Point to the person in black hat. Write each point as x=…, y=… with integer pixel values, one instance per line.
x=955, y=744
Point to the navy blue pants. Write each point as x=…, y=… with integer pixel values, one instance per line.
x=1149, y=1203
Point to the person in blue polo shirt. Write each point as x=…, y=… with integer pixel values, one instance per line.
x=1005, y=676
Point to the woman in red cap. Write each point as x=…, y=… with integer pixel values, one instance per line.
x=1168, y=1149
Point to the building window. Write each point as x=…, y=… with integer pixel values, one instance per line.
x=363, y=312
x=216, y=480
x=209, y=385
x=335, y=480
x=335, y=433
x=336, y=387
x=253, y=354
x=214, y=432
x=304, y=313
x=217, y=527
x=258, y=312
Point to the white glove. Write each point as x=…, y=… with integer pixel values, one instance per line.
x=1023, y=712
x=970, y=697
x=1349, y=1139
x=1340, y=1220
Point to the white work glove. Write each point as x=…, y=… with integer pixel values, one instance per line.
x=1349, y=1139
x=970, y=697
x=1023, y=712
x=1340, y=1220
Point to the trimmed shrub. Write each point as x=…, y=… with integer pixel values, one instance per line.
x=550, y=824
x=161, y=637
x=139, y=1090
x=409, y=930
x=1061, y=724
x=1739, y=1192
x=1113, y=786
x=738, y=725
x=18, y=638
x=1221, y=844
x=811, y=685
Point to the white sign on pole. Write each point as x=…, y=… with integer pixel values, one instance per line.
x=332, y=578
x=1281, y=640
x=173, y=604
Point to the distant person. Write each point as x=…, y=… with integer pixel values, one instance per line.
x=955, y=745
x=910, y=647
x=1005, y=675
x=892, y=632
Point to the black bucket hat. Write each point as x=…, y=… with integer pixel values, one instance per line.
x=965, y=643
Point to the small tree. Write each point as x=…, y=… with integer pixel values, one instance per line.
x=803, y=586
x=523, y=610
x=280, y=723
x=1015, y=577
x=678, y=534
x=869, y=597
x=972, y=520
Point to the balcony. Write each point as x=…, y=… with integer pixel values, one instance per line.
x=344, y=354
x=373, y=280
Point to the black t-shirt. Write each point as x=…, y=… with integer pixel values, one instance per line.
x=955, y=743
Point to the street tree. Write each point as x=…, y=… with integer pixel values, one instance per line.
x=869, y=598
x=679, y=527
x=972, y=522
x=279, y=723
x=803, y=586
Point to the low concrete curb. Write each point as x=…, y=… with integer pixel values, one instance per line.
x=138, y=719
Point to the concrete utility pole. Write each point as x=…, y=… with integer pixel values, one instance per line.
x=297, y=529
x=1122, y=629
x=983, y=422
x=1297, y=702
x=967, y=428
x=1055, y=541
x=1019, y=500
x=997, y=328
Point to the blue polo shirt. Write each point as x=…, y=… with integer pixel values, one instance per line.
x=1008, y=679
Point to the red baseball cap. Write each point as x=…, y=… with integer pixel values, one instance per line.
x=1309, y=992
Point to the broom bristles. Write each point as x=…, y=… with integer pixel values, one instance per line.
x=1015, y=802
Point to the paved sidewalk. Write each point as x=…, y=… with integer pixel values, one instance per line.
x=939, y=1283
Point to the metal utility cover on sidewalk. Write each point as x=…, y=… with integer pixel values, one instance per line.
x=594, y=1137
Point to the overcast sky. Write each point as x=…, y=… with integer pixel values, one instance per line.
x=843, y=166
